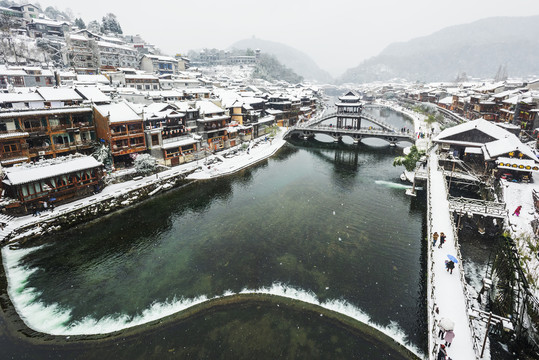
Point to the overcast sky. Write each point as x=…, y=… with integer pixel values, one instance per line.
x=337, y=34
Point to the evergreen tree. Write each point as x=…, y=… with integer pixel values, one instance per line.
x=110, y=24
x=93, y=26
x=80, y=23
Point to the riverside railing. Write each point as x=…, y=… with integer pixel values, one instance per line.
x=476, y=339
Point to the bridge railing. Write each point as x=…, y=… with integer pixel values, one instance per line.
x=466, y=205
x=364, y=130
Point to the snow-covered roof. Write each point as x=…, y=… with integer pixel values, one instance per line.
x=92, y=93
x=181, y=142
x=448, y=100
x=26, y=174
x=506, y=145
x=114, y=45
x=71, y=110
x=118, y=112
x=93, y=79
x=161, y=58
x=273, y=111
x=207, y=107
x=141, y=77
x=12, y=72
x=13, y=135
x=480, y=124
x=58, y=94
x=184, y=106
x=15, y=97
x=78, y=37
x=48, y=22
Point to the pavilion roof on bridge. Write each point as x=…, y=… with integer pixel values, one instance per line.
x=349, y=97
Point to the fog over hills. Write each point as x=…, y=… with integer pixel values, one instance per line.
x=295, y=59
x=478, y=49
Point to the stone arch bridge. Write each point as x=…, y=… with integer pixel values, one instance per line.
x=383, y=131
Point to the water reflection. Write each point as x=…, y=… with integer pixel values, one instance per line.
x=312, y=219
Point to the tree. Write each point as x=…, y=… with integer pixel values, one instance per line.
x=51, y=12
x=80, y=23
x=409, y=161
x=103, y=154
x=431, y=119
x=110, y=24
x=94, y=27
x=145, y=164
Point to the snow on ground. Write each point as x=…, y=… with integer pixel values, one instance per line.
x=520, y=194
x=448, y=289
x=258, y=150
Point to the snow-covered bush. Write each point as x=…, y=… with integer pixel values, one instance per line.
x=145, y=164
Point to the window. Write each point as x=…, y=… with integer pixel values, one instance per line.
x=38, y=79
x=10, y=148
x=147, y=87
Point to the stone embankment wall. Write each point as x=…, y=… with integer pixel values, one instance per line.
x=96, y=207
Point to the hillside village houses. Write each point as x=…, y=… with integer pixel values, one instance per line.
x=102, y=97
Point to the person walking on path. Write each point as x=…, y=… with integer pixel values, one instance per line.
x=450, y=265
x=442, y=240
x=517, y=210
x=442, y=353
x=434, y=239
x=449, y=336
x=441, y=333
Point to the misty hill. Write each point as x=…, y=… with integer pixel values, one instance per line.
x=269, y=68
x=298, y=61
x=478, y=49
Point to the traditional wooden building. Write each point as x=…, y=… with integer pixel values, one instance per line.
x=212, y=125
x=167, y=135
x=119, y=126
x=56, y=180
x=30, y=134
x=349, y=111
x=492, y=145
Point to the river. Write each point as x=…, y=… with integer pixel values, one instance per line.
x=328, y=225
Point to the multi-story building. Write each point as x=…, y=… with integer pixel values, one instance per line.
x=81, y=53
x=27, y=135
x=142, y=81
x=44, y=27
x=116, y=55
x=11, y=77
x=159, y=64
x=119, y=126
x=167, y=135
x=37, y=77
x=29, y=11
x=212, y=125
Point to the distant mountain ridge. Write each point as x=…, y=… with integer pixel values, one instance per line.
x=297, y=60
x=478, y=49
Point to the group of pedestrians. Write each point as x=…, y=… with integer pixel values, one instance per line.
x=435, y=237
x=449, y=264
x=447, y=336
x=45, y=206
